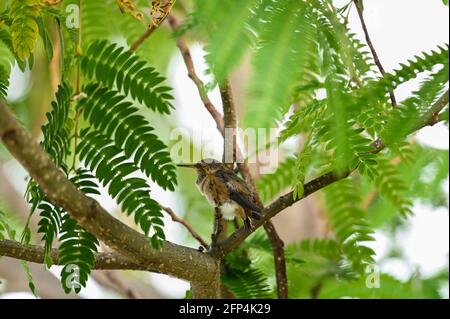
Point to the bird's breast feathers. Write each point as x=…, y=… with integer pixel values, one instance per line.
x=229, y=210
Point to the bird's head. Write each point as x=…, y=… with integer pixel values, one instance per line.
x=206, y=166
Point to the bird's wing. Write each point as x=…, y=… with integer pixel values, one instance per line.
x=238, y=190
x=243, y=201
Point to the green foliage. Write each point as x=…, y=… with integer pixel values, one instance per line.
x=270, y=185
x=301, y=165
x=372, y=98
x=6, y=59
x=77, y=254
x=247, y=284
x=259, y=242
x=111, y=65
x=243, y=279
x=77, y=246
x=108, y=112
x=24, y=28
x=49, y=226
x=4, y=81
x=284, y=42
x=58, y=129
x=390, y=288
x=97, y=15
x=6, y=231
x=228, y=39
x=111, y=168
x=57, y=133
x=407, y=116
x=349, y=223
x=327, y=248
x=392, y=186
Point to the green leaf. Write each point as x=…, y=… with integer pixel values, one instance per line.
x=111, y=64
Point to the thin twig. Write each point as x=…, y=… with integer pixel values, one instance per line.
x=160, y=15
x=187, y=57
x=120, y=285
x=190, y=229
x=142, y=38
x=315, y=290
x=372, y=48
x=369, y=199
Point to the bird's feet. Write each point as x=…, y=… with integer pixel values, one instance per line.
x=248, y=224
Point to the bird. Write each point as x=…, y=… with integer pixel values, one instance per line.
x=224, y=189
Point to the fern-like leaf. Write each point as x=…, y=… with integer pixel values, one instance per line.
x=57, y=131
x=112, y=169
x=392, y=187
x=270, y=185
x=247, y=284
x=115, y=67
x=407, y=116
x=349, y=223
x=282, y=47
x=4, y=81
x=78, y=247
x=108, y=111
x=24, y=28
x=225, y=48
x=77, y=254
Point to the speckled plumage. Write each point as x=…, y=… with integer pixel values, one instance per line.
x=225, y=189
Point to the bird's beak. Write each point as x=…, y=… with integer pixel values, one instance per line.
x=187, y=165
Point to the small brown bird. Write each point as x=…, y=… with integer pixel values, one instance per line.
x=224, y=189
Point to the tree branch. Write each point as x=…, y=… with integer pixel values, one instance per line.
x=229, y=121
x=143, y=37
x=189, y=228
x=279, y=260
x=179, y=261
x=36, y=254
x=187, y=57
x=372, y=48
x=318, y=183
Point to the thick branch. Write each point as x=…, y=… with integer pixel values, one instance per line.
x=171, y=259
x=372, y=48
x=35, y=254
x=318, y=183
